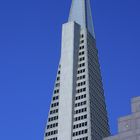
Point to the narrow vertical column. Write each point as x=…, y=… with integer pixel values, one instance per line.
x=69, y=56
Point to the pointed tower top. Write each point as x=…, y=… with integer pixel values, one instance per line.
x=80, y=12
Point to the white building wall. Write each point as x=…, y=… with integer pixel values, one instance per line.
x=129, y=126
x=70, y=45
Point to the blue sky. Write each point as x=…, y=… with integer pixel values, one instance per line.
x=30, y=43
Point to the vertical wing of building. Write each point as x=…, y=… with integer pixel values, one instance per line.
x=78, y=110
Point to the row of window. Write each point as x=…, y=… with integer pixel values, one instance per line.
x=80, y=97
x=52, y=125
x=54, y=111
x=80, y=132
x=80, y=118
x=81, y=77
x=81, y=47
x=55, y=104
x=52, y=133
x=81, y=110
x=81, y=83
x=55, y=98
x=56, y=91
x=57, y=85
x=53, y=118
x=80, y=125
x=81, y=53
x=55, y=138
x=81, y=65
x=84, y=138
x=82, y=59
x=81, y=90
x=81, y=71
x=80, y=104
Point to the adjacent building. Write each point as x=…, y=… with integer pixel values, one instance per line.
x=78, y=109
x=129, y=126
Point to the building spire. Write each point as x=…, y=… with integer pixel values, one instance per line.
x=80, y=12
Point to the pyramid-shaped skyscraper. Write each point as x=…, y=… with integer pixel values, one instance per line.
x=78, y=110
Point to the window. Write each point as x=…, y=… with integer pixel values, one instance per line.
x=82, y=35
x=82, y=41
x=58, y=78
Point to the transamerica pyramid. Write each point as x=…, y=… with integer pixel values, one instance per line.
x=78, y=110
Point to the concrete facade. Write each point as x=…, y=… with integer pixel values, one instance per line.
x=129, y=126
x=69, y=62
